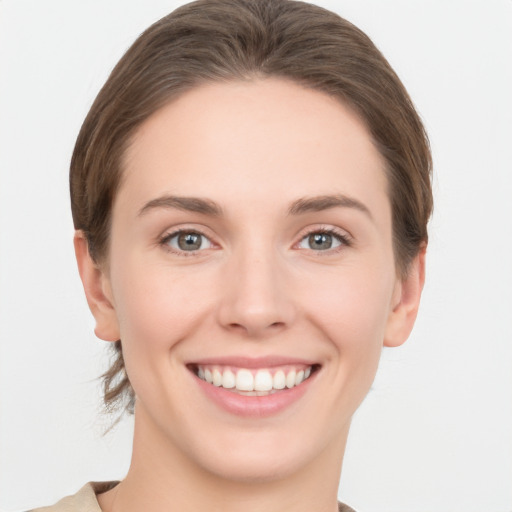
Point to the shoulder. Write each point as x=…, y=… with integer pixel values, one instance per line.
x=83, y=501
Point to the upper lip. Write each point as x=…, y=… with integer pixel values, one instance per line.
x=252, y=362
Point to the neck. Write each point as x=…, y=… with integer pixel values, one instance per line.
x=162, y=478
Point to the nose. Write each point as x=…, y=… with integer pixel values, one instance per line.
x=256, y=297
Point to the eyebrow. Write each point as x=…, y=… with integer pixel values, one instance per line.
x=319, y=203
x=189, y=204
x=298, y=207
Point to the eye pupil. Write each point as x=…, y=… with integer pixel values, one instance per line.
x=189, y=241
x=320, y=241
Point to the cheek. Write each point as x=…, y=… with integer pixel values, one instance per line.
x=352, y=306
x=157, y=306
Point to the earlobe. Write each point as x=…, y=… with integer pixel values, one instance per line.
x=97, y=291
x=406, y=301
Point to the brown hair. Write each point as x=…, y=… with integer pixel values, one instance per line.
x=220, y=40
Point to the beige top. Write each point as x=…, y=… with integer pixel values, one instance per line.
x=85, y=500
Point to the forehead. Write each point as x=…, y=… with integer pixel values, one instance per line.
x=252, y=138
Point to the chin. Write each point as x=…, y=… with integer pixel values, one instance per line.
x=252, y=468
x=259, y=456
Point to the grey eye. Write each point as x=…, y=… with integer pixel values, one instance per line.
x=189, y=241
x=320, y=241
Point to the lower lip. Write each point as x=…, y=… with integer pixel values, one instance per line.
x=254, y=406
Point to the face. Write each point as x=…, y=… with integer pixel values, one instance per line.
x=251, y=277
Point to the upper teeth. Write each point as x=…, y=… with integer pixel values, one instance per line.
x=259, y=380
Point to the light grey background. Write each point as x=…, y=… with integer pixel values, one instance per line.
x=435, y=433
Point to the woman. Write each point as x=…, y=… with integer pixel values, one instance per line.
x=250, y=193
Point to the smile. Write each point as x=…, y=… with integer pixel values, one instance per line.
x=254, y=382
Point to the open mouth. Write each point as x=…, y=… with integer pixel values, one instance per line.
x=254, y=382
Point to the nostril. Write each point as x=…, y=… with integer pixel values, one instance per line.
x=252, y=328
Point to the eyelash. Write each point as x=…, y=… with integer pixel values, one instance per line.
x=165, y=239
x=343, y=238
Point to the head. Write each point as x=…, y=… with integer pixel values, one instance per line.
x=225, y=45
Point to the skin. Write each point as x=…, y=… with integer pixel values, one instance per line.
x=256, y=288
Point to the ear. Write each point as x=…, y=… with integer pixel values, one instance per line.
x=97, y=291
x=406, y=301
